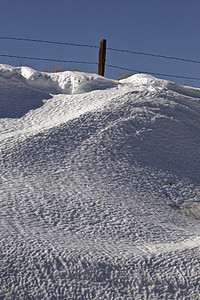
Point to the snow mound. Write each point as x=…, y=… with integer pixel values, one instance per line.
x=32, y=88
x=68, y=82
x=99, y=187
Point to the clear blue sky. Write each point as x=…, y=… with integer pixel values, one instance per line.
x=170, y=27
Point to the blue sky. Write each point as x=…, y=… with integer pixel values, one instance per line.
x=168, y=28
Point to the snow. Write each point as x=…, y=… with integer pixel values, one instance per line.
x=99, y=187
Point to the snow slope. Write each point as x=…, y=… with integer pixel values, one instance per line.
x=99, y=187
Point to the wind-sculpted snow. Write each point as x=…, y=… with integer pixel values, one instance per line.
x=99, y=187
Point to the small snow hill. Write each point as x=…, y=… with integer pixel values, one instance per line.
x=99, y=187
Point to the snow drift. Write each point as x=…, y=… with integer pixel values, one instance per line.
x=99, y=187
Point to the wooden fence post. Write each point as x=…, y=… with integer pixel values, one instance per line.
x=102, y=57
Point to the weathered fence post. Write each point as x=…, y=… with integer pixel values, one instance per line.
x=102, y=57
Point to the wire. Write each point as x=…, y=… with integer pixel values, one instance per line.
x=155, y=55
x=152, y=73
x=49, y=59
x=95, y=63
x=47, y=42
x=108, y=48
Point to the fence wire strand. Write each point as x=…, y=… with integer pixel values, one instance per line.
x=47, y=42
x=155, y=55
x=95, y=46
x=49, y=59
x=152, y=73
x=95, y=63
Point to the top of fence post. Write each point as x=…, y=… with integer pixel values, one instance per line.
x=102, y=57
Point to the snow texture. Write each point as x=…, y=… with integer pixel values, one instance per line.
x=99, y=187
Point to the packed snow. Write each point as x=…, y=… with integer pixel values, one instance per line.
x=99, y=187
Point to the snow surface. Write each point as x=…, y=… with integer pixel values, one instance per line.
x=99, y=187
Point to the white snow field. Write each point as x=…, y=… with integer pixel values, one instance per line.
x=99, y=187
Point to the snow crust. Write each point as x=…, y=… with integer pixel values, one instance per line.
x=99, y=187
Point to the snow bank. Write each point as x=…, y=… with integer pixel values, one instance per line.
x=99, y=186
x=68, y=82
x=32, y=88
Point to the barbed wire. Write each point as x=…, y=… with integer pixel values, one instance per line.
x=95, y=46
x=47, y=42
x=155, y=55
x=95, y=63
x=49, y=59
x=152, y=73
